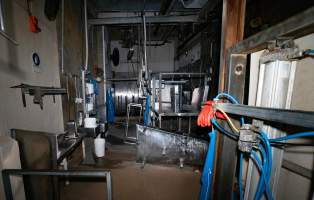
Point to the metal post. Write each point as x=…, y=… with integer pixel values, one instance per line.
x=109, y=186
x=1, y=16
x=160, y=96
x=7, y=186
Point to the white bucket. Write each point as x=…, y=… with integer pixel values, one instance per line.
x=89, y=88
x=100, y=147
x=90, y=122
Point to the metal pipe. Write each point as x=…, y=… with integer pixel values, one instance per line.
x=104, y=67
x=86, y=35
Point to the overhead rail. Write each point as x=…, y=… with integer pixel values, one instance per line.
x=149, y=19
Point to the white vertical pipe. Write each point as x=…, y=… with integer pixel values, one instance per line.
x=83, y=92
x=144, y=46
x=62, y=37
x=86, y=35
x=85, y=67
x=104, y=66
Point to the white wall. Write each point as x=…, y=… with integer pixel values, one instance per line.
x=16, y=68
x=159, y=59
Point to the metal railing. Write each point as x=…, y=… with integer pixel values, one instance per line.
x=6, y=173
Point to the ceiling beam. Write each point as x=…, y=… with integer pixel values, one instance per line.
x=149, y=19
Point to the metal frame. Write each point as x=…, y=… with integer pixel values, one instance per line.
x=173, y=114
x=285, y=116
x=173, y=74
x=297, y=169
x=68, y=173
x=129, y=107
x=294, y=27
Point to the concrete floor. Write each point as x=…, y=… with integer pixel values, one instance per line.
x=130, y=180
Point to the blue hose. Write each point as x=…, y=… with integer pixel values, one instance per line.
x=261, y=186
x=206, y=179
x=309, y=52
x=240, y=176
x=146, y=112
x=230, y=134
x=266, y=169
x=258, y=163
x=227, y=96
x=231, y=99
x=110, y=107
x=293, y=136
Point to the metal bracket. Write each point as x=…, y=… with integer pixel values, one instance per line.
x=248, y=138
x=38, y=92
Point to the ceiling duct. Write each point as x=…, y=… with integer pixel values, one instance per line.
x=193, y=3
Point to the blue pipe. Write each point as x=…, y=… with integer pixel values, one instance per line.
x=206, y=179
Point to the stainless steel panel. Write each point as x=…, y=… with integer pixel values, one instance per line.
x=158, y=146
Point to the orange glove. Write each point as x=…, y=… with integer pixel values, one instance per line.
x=207, y=114
x=33, y=24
